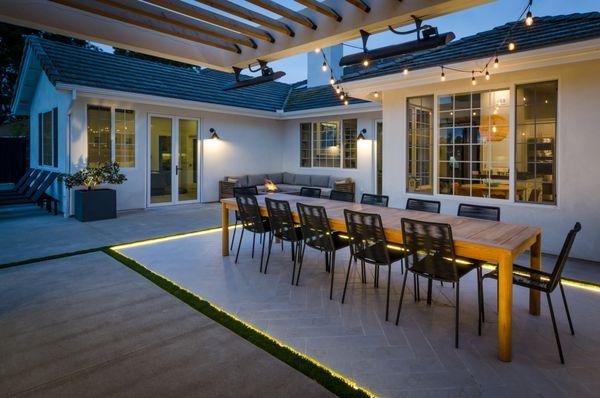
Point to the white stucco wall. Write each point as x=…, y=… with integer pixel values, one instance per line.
x=247, y=145
x=578, y=142
x=46, y=98
x=363, y=175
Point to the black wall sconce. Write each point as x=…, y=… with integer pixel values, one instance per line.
x=362, y=135
x=213, y=134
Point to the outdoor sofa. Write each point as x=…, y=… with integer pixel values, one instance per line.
x=286, y=182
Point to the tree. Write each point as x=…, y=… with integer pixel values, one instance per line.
x=12, y=44
x=133, y=54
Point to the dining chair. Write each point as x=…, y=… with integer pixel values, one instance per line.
x=284, y=228
x=491, y=213
x=253, y=190
x=252, y=221
x=317, y=234
x=431, y=255
x=375, y=200
x=430, y=206
x=369, y=245
x=343, y=196
x=546, y=282
x=310, y=192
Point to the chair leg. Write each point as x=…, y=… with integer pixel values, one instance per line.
x=346, y=282
x=332, y=274
x=296, y=259
x=401, y=297
x=562, y=292
x=253, y=241
x=239, y=245
x=389, y=282
x=415, y=287
x=293, y=251
x=262, y=251
x=300, y=265
x=429, y=286
x=269, y=252
x=480, y=291
x=457, y=315
x=560, y=353
x=234, y=231
x=327, y=268
x=363, y=270
x=376, y=278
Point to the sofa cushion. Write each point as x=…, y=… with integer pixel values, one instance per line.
x=319, y=181
x=276, y=178
x=288, y=178
x=240, y=181
x=333, y=180
x=289, y=188
x=256, y=179
x=302, y=179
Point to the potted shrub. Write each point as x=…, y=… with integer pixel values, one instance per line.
x=91, y=203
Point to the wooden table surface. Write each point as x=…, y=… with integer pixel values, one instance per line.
x=496, y=242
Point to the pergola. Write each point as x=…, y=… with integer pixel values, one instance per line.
x=220, y=33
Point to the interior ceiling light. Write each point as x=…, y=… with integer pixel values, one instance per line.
x=267, y=75
x=430, y=39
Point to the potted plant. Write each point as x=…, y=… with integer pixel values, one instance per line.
x=93, y=204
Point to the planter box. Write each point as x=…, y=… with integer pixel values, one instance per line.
x=97, y=204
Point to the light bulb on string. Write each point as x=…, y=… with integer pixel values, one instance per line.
x=331, y=80
x=529, y=18
x=346, y=102
x=473, y=80
x=342, y=96
x=324, y=66
x=443, y=75
x=365, y=62
x=496, y=63
x=317, y=50
x=376, y=94
x=487, y=75
x=405, y=71
x=511, y=46
x=338, y=90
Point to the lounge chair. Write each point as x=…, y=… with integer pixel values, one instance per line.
x=22, y=185
x=36, y=196
x=28, y=190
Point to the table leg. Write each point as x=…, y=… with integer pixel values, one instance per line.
x=535, y=258
x=224, y=230
x=505, y=269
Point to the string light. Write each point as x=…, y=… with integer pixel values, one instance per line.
x=365, y=62
x=324, y=66
x=405, y=71
x=443, y=75
x=342, y=96
x=376, y=95
x=331, y=80
x=317, y=50
x=529, y=19
x=511, y=46
x=346, y=102
x=338, y=90
x=496, y=63
x=473, y=80
x=487, y=75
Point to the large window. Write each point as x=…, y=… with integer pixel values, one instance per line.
x=535, y=152
x=321, y=144
x=101, y=138
x=420, y=144
x=46, y=142
x=474, y=144
x=125, y=137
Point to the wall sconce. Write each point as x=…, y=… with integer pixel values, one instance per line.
x=213, y=134
x=361, y=135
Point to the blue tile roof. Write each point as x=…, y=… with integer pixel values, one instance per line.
x=545, y=32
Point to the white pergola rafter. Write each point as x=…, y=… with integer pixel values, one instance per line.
x=193, y=32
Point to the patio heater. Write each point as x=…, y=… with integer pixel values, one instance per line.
x=267, y=75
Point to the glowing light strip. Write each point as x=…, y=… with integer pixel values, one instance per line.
x=353, y=384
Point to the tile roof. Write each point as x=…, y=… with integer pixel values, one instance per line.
x=76, y=65
x=545, y=32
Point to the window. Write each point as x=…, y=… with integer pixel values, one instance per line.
x=125, y=137
x=474, y=144
x=99, y=135
x=350, y=133
x=305, y=144
x=48, y=138
x=420, y=144
x=328, y=144
x=535, y=152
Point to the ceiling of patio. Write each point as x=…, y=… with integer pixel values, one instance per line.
x=217, y=33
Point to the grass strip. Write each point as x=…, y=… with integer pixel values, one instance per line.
x=329, y=379
x=52, y=257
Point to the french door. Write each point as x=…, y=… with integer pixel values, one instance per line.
x=173, y=160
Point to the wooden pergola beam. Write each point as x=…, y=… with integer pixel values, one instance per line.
x=285, y=12
x=170, y=17
x=252, y=16
x=97, y=8
x=360, y=4
x=321, y=8
x=212, y=17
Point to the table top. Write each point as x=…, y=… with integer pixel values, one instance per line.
x=482, y=235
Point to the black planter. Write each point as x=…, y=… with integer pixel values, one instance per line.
x=97, y=204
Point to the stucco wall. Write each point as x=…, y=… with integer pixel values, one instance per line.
x=578, y=142
x=246, y=145
x=363, y=175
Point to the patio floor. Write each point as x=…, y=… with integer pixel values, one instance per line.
x=415, y=359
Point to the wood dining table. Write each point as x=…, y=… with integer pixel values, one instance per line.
x=492, y=241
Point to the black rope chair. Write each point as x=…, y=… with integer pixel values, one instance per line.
x=375, y=200
x=253, y=190
x=546, y=282
x=491, y=213
x=317, y=234
x=369, y=245
x=310, y=192
x=283, y=227
x=430, y=246
x=343, y=196
x=430, y=206
x=253, y=222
